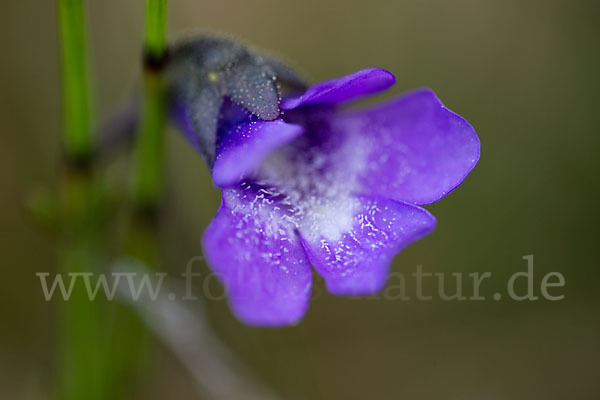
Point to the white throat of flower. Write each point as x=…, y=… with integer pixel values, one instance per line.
x=321, y=186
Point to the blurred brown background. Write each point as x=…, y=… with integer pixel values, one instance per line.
x=525, y=75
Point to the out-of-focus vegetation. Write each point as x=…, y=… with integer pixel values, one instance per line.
x=524, y=74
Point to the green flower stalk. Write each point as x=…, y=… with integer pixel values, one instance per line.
x=149, y=147
x=92, y=365
x=83, y=372
x=77, y=139
x=155, y=29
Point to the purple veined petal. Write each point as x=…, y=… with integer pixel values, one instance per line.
x=243, y=147
x=257, y=255
x=349, y=87
x=352, y=252
x=414, y=148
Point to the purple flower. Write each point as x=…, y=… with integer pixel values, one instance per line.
x=339, y=189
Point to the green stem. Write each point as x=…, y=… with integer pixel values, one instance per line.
x=83, y=371
x=150, y=141
x=140, y=241
x=77, y=135
x=149, y=151
x=156, y=28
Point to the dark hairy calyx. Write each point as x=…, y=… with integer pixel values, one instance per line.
x=206, y=71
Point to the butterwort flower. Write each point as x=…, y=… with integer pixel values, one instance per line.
x=306, y=180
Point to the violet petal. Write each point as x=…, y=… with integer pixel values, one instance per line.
x=355, y=260
x=416, y=150
x=349, y=87
x=256, y=253
x=242, y=148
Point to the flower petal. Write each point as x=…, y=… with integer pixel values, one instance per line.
x=242, y=148
x=415, y=149
x=361, y=83
x=258, y=256
x=353, y=256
